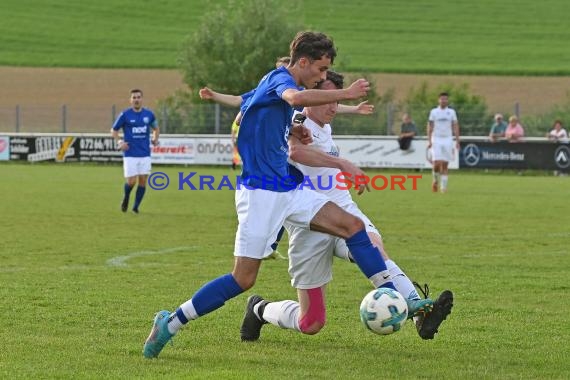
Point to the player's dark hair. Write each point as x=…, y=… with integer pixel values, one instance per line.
x=336, y=79
x=282, y=61
x=134, y=90
x=313, y=46
x=443, y=94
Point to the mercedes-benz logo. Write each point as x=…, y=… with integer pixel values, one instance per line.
x=562, y=157
x=471, y=154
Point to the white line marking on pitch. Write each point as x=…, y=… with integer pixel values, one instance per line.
x=121, y=261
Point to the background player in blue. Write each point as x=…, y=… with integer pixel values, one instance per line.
x=266, y=198
x=136, y=123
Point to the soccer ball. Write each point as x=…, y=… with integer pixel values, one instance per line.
x=383, y=311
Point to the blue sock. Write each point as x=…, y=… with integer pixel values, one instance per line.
x=367, y=257
x=279, y=236
x=215, y=293
x=128, y=190
x=139, y=196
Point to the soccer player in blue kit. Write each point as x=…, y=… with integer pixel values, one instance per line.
x=268, y=195
x=136, y=123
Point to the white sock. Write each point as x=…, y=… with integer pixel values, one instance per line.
x=444, y=182
x=175, y=324
x=284, y=314
x=401, y=281
x=435, y=176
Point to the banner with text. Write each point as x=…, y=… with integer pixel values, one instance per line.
x=44, y=148
x=207, y=150
x=386, y=153
x=524, y=155
x=99, y=149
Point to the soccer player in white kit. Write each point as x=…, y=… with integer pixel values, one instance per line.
x=311, y=253
x=442, y=126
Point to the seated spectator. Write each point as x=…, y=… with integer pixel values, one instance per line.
x=498, y=128
x=514, y=131
x=557, y=133
x=408, y=131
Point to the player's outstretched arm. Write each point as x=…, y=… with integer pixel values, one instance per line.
x=225, y=99
x=363, y=108
x=307, y=98
x=310, y=156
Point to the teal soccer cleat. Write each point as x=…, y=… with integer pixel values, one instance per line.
x=419, y=307
x=159, y=335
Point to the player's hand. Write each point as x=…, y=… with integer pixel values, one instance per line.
x=123, y=146
x=364, y=108
x=206, y=94
x=429, y=144
x=358, y=89
x=155, y=142
x=356, y=175
x=302, y=133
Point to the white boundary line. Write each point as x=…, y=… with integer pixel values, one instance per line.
x=121, y=261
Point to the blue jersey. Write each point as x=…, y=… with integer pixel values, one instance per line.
x=264, y=131
x=136, y=131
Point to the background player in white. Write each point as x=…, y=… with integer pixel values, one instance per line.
x=136, y=123
x=268, y=195
x=311, y=253
x=442, y=125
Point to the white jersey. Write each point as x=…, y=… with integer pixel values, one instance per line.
x=443, y=120
x=561, y=134
x=324, y=180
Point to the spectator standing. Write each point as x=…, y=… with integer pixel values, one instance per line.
x=498, y=129
x=514, y=131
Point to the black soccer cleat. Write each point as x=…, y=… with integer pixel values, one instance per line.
x=251, y=325
x=428, y=325
x=125, y=205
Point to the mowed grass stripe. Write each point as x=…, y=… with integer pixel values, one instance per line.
x=437, y=37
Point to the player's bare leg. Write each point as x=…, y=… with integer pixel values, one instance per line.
x=436, y=172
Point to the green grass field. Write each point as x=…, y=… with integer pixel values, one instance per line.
x=81, y=281
x=484, y=37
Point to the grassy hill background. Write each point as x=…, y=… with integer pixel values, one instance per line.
x=420, y=36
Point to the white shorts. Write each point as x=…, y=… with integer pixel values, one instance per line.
x=442, y=149
x=311, y=253
x=133, y=166
x=261, y=213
